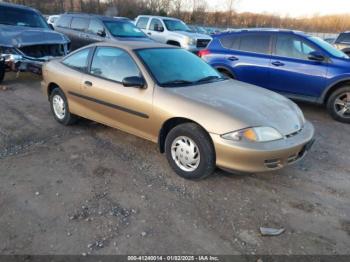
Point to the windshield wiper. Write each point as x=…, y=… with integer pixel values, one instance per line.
x=177, y=82
x=208, y=79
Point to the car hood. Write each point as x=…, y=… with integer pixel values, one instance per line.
x=192, y=34
x=17, y=36
x=231, y=105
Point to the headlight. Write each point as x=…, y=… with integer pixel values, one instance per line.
x=190, y=41
x=255, y=134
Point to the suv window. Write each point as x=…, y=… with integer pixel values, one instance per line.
x=142, y=22
x=255, y=43
x=292, y=47
x=230, y=42
x=113, y=64
x=155, y=25
x=343, y=38
x=64, y=21
x=78, y=60
x=79, y=24
x=95, y=27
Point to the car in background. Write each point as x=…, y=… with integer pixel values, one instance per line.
x=84, y=29
x=26, y=40
x=343, y=42
x=172, y=31
x=197, y=29
x=170, y=96
x=292, y=63
x=330, y=40
x=51, y=20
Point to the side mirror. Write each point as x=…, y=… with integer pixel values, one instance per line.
x=134, y=81
x=316, y=56
x=51, y=27
x=158, y=28
x=101, y=33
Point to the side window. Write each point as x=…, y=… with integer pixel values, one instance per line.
x=79, y=60
x=64, y=21
x=95, y=27
x=156, y=25
x=292, y=47
x=113, y=64
x=142, y=22
x=343, y=38
x=255, y=43
x=230, y=42
x=79, y=24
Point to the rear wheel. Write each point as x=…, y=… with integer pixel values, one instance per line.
x=190, y=151
x=338, y=104
x=60, y=109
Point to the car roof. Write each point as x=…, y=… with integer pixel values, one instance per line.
x=160, y=17
x=133, y=45
x=265, y=30
x=100, y=17
x=23, y=7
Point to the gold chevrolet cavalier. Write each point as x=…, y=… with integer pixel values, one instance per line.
x=168, y=95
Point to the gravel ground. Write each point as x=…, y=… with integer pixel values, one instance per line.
x=95, y=190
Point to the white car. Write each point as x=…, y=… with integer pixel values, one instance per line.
x=52, y=19
x=172, y=31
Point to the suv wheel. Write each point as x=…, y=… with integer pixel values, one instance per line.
x=59, y=108
x=190, y=151
x=338, y=104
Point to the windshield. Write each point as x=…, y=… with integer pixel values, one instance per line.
x=123, y=29
x=173, y=67
x=328, y=47
x=21, y=17
x=176, y=25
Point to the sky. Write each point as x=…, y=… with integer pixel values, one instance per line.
x=293, y=8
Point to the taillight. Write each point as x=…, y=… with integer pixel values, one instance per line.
x=204, y=52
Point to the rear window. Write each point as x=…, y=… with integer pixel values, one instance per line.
x=80, y=24
x=142, y=22
x=64, y=21
x=255, y=43
x=343, y=38
x=230, y=42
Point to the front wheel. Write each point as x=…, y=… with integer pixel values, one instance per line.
x=60, y=109
x=190, y=152
x=338, y=104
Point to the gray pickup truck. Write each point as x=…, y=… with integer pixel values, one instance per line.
x=172, y=31
x=26, y=40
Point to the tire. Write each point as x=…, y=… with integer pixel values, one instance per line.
x=65, y=118
x=2, y=70
x=178, y=146
x=338, y=104
x=174, y=43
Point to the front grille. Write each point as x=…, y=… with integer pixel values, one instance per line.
x=40, y=51
x=202, y=43
x=294, y=133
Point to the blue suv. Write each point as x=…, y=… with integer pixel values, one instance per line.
x=295, y=64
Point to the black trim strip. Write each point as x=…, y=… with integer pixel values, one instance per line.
x=109, y=105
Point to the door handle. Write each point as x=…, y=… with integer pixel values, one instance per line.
x=88, y=83
x=278, y=63
x=149, y=33
x=233, y=58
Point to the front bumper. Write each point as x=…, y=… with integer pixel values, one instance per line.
x=18, y=63
x=262, y=157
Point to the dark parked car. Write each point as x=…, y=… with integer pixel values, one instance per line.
x=84, y=29
x=26, y=40
x=343, y=42
x=292, y=63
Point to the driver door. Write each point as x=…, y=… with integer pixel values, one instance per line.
x=108, y=101
x=156, y=30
